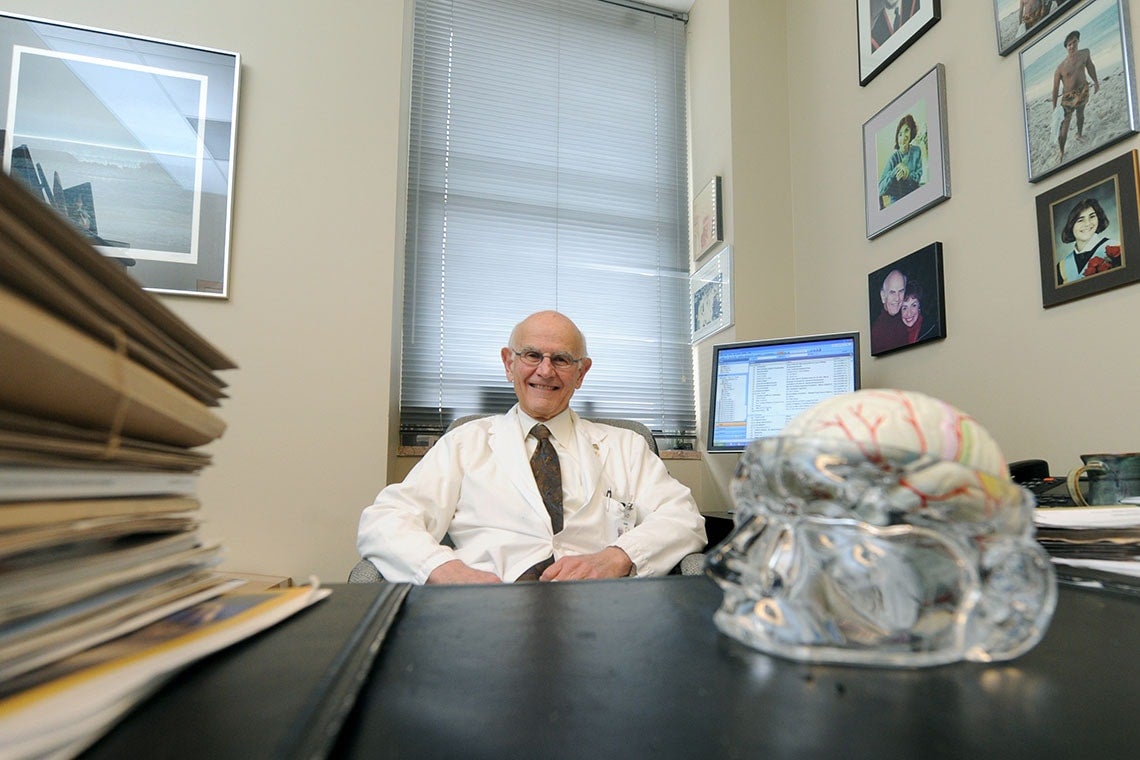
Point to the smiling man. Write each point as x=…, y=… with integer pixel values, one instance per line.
x=537, y=493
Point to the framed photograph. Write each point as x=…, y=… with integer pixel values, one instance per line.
x=1017, y=21
x=1089, y=232
x=708, y=226
x=907, y=301
x=906, y=156
x=1077, y=88
x=710, y=296
x=130, y=139
x=887, y=28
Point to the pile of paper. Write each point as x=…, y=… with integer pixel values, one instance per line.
x=1095, y=545
x=106, y=397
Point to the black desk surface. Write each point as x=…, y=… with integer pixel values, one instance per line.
x=635, y=668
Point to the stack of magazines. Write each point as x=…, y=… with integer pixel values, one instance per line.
x=1097, y=546
x=106, y=397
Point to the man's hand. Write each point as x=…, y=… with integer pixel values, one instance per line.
x=610, y=562
x=457, y=571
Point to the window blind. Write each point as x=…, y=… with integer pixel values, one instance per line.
x=547, y=170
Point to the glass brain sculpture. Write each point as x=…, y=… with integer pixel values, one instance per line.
x=881, y=528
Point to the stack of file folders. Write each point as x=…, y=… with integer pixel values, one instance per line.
x=1093, y=545
x=105, y=398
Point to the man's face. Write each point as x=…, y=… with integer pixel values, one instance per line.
x=544, y=391
x=892, y=292
x=1071, y=46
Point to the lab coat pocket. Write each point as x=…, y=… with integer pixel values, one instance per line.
x=620, y=516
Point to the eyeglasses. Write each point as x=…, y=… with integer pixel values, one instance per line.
x=533, y=358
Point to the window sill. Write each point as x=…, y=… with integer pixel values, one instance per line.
x=419, y=451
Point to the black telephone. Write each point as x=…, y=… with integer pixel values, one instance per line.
x=1049, y=490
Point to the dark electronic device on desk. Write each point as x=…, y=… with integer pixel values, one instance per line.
x=759, y=385
x=1049, y=490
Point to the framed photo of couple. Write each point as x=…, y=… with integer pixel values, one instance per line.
x=1077, y=87
x=907, y=301
x=887, y=28
x=906, y=163
x=1089, y=232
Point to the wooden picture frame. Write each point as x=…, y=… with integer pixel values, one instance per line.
x=1078, y=258
x=881, y=40
x=907, y=301
x=892, y=198
x=1077, y=103
x=708, y=221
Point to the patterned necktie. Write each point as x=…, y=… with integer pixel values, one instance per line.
x=548, y=475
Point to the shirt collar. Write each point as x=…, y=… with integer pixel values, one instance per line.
x=561, y=427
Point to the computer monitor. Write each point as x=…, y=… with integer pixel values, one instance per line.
x=759, y=385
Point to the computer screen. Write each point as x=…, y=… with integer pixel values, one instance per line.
x=759, y=385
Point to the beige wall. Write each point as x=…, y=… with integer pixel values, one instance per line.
x=776, y=110
x=309, y=318
x=1047, y=383
x=1050, y=383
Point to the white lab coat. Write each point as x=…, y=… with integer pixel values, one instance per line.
x=476, y=485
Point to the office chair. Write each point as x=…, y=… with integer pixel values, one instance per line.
x=691, y=564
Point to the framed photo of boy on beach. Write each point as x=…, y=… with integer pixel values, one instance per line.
x=906, y=154
x=1089, y=232
x=1077, y=88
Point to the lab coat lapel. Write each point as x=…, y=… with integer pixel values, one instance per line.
x=592, y=454
x=510, y=453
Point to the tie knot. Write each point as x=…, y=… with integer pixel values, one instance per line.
x=540, y=431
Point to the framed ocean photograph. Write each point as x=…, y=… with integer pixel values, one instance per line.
x=131, y=140
x=1077, y=87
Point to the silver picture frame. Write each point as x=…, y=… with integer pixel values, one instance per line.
x=890, y=197
x=129, y=138
x=710, y=296
x=1065, y=120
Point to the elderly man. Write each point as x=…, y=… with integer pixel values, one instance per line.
x=537, y=493
x=888, y=331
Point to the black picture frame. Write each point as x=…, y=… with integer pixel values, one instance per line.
x=1013, y=31
x=878, y=43
x=130, y=139
x=1107, y=112
x=921, y=292
x=1114, y=248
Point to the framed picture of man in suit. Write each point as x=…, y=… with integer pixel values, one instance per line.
x=888, y=27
